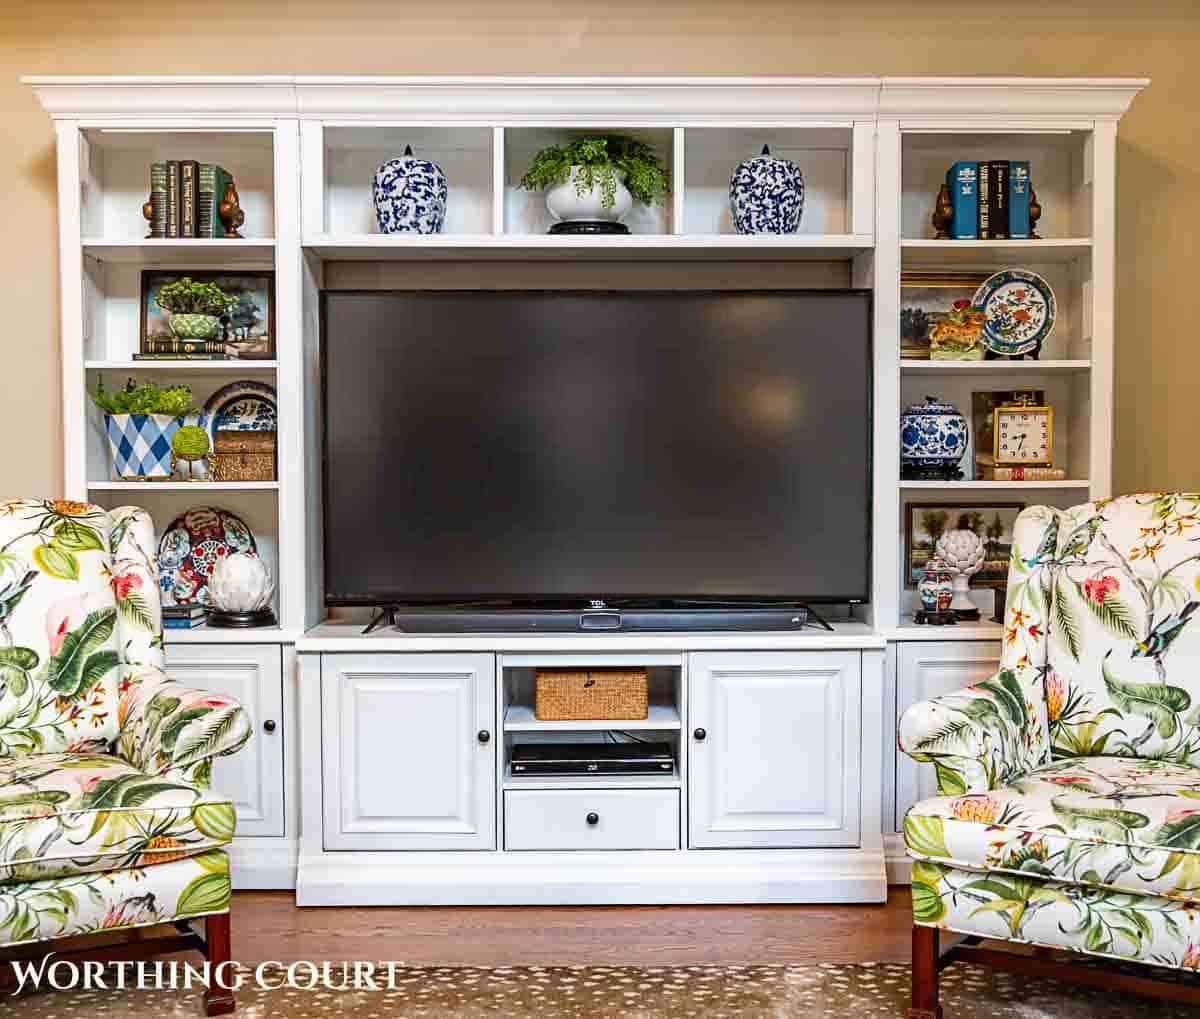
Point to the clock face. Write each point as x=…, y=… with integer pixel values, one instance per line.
x=1023, y=435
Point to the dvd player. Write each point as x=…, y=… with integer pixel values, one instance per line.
x=592, y=759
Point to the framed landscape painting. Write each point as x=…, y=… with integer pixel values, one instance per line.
x=247, y=330
x=925, y=522
x=925, y=299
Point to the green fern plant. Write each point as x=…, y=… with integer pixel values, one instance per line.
x=144, y=398
x=603, y=160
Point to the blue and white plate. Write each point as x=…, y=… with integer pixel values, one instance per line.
x=1019, y=311
x=240, y=407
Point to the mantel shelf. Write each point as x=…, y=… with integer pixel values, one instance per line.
x=399, y=247
x=987, y=486
x=182, y=486
x=520, y=718
x=964, y=253
x=992, y=367
x=231, y=251
x=237, y=367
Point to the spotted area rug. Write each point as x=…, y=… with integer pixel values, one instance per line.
x=720, y=992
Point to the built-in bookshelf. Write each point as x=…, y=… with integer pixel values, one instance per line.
x=303, y=150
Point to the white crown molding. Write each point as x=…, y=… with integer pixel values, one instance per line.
x=1007, y=98
x=144, y=98
x=584, y=101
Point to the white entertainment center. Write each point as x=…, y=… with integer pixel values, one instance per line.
x=379, y=775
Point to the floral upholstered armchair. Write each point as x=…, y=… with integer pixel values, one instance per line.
x=106, y=818
x=1069, y=814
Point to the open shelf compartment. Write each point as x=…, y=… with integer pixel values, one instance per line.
x=115, y=177
x=1058, y=169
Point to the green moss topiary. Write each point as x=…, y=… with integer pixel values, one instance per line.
x=190, y=443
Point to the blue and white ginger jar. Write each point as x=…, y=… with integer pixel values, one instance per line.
x=410, y=195
x=932, y=434
x=766, y=195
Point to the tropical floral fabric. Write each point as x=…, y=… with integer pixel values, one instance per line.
x=1055, y=914
x=59, y=645
x=61, y=907
x=1100, y=850
x=1126, y=824
x=105, y=820
x=68, y=814
x=1124, y=654
x=985, y=735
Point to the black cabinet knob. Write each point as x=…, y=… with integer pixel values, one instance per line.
x=593, y=818
x=701, y=735
x=483, y=736
x=269, y=725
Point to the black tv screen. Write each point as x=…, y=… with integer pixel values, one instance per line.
x=565, y=446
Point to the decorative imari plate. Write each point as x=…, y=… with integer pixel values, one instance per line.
x=1019, y=311
x=191, y=547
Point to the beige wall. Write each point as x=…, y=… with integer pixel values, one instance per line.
x=1158, y=389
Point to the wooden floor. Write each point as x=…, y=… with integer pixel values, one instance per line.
x=269, y=926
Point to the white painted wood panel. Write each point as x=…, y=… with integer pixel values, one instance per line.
x=778, y=764
x=620, y=819
x=253, y=777
x=404, y=765
x=928, y=669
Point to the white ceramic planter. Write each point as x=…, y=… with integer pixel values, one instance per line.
x=567, y=205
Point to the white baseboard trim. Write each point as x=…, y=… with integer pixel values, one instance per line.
x=899, y=864
x=580, y=879
x=263, y=863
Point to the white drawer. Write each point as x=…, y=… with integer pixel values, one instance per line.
x=599, y=819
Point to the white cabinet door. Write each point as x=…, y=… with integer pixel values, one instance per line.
x=928, y=669
x=409, y=756
x=253, y=673
x=773, y=758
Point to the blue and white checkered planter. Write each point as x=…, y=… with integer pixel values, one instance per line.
x=141, y=444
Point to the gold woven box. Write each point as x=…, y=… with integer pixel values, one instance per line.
x=244, y=456
x=574, y=694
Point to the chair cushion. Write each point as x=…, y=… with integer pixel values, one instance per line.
x=1124, y=650
x=68, y=814
x=1131, y=825
x=59, y=645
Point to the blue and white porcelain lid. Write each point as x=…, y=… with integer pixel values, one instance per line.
x=932, y=405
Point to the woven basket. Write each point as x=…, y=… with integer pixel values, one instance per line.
x=573, y=694
x=244, y=456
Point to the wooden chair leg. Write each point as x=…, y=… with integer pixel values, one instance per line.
x=925, y=974
x=217, y=1000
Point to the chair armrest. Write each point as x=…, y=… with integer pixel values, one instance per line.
x=980, y=737
x=169, y=729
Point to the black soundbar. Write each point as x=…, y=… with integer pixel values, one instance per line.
x=434, y=620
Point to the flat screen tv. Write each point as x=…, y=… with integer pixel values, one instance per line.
x=557, y=447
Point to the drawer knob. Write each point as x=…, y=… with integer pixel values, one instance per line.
x=269, y=725
x=593, y=818
x=484, y=736
x=701, y=735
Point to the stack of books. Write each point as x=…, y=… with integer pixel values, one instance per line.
x=184, y=198
x=986, y=470
x=184, y=616
x=990, y=200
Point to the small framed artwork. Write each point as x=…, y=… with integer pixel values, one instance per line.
x=244, y=328
x=928, y=299
x=925, y=522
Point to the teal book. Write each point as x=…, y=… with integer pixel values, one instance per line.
x=1018, y=199
x=963, y=178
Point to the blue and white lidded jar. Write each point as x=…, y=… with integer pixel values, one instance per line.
x=933, y=439
x=766, y=195
x=410, y=195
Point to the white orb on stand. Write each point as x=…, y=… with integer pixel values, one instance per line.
x=962, y=551
x=240, y=583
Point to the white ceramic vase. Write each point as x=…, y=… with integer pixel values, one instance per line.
x=567, y=205
x=240, y=583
